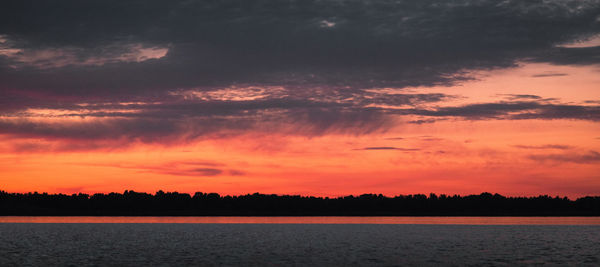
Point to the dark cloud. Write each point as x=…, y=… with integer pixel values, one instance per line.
x=178, y=118
x=187, y=120
x=388, y=148
x=144, y=70
x=551, y=146
x=72, y=146
x=185, y=127
x=543, y=75
x=236, y=173
x=212, y=44
x=432, y=139
x=522, y=97
x=516, y=110
x=424, y=121
x=527, y=97
x=191, y=172
x=570, y=56
x=581, y=158
x=113, y=129
x=179, y=168
x=199, y=163
x=205, y=172
x=402, y=99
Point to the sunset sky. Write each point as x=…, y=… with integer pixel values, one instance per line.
x=323, y=98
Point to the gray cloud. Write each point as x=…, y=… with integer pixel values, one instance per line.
x=516, y=110
x=388, y=148
x=424, y=121
x=551, y=146
x=585, y=158
x=205, y=172
x=432, y=139
x=543, y=75
x=570, y=56
x=522, y=97
x=181, y=120
x=128, y=66
x=236, y=173
x=283, y=43
x=178, y=168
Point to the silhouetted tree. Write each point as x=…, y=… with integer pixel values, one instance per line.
x=174, y=203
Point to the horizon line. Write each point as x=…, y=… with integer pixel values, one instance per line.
x=428, y=195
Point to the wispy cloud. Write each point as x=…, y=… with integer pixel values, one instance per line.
x=424, y=121
x=388, y=148
x=580, y=158
x=550, y=146
x=521, y=96
x=543, y=75
x=180, y=119
x=177, y=168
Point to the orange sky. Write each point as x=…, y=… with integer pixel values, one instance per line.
x=454, y=155
x=322, y=98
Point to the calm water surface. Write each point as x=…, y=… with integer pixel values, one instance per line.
x=310, y=220
x=299, y=241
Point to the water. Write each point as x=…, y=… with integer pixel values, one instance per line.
x=329, y=242
x=309, y=220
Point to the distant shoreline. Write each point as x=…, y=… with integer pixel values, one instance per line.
x=131, y=204
x=316, y=216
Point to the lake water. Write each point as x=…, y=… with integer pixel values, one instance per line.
x=299, y=241
x=309, y=220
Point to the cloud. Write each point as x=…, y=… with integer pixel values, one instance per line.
x=515, y=110
x=527, y=97
x=521, y=97
x=388, y=148
x=551, y=146
x=422, y=121
x=179, y=168
x=204, y=172
x=183, y=118
x=569, y=56
x=189, y=172
x=589, y=41
x=432, y=139
x=190, y=116
x=45, y=58
x=544, y=75
x=94, y=72
x=236, y=172
x=47, y=47
x=580, y=158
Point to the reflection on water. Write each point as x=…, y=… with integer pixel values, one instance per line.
x=310, y=220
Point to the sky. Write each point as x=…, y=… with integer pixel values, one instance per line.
x=323, y=98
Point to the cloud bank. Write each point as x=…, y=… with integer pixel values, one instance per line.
x=158, y=71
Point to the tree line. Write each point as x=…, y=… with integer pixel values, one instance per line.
x=130, y=203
